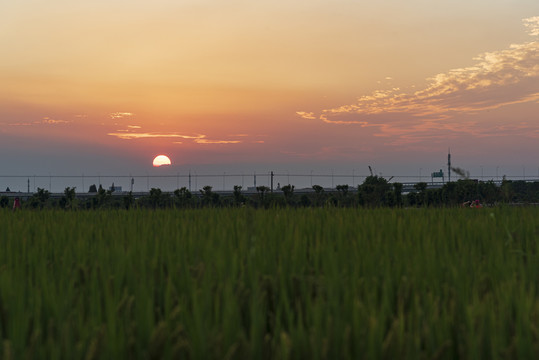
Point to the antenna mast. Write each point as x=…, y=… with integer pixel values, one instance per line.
x=449, y=163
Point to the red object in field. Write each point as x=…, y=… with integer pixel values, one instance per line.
x=16, y=204
x=476, y=204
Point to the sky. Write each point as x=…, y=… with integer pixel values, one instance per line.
x=102, y=87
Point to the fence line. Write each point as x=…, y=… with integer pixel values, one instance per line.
x=194, y=181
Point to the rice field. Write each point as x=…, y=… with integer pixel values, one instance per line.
x=270, y=284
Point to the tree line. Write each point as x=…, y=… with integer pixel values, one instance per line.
x=375, y=191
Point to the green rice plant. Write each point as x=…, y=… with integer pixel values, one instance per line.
x=278, y=283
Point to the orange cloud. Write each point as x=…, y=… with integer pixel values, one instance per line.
x=130, y=135
x=20, y=124
x=532, y=24
x=119, y=115
x=207, y=141
x=497, y=79
x=127, y=134
x=45, y=121
x=306, y=115
x=49, y=121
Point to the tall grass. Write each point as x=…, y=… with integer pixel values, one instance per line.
x=284, y=283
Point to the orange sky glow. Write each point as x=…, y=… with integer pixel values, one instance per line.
x=103, y=86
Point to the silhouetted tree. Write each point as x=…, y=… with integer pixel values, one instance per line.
x=305, y=201
x=209, y=197
x=343, y=190
x=239, y=199
x=288, y=192
x=467, y=190
x=489, y=193
x=524, y=191
x=397, y=190
x=184, y=198
x=129, y=200
x=374, y=191
x=449, y=194
x=262, y=192
x=39, y=199
x=155, y=197
x=319, y=191
x=343, y=199
x=102, y=197
x=421, y=195
x=68, y=199
x=506, y=189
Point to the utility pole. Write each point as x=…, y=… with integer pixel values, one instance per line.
x=449, y=164
x=272, y=181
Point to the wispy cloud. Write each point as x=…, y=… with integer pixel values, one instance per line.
x=44, y=121
x=532, y=24
x=49, y=121
x=119, y=115
x=497, y=79
x=208, y=141
x=306, y=115
x=20, y=124
x=132, y=135
x=128, y=134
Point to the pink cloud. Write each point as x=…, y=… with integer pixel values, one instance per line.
x=129, y=134
x=496, y=79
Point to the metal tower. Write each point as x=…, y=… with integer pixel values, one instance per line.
x=449, y=164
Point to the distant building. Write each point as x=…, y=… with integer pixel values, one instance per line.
x=115, y=188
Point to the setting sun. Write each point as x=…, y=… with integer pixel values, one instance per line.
x=161, y=160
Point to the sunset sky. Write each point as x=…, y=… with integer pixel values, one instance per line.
x=104, y=86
